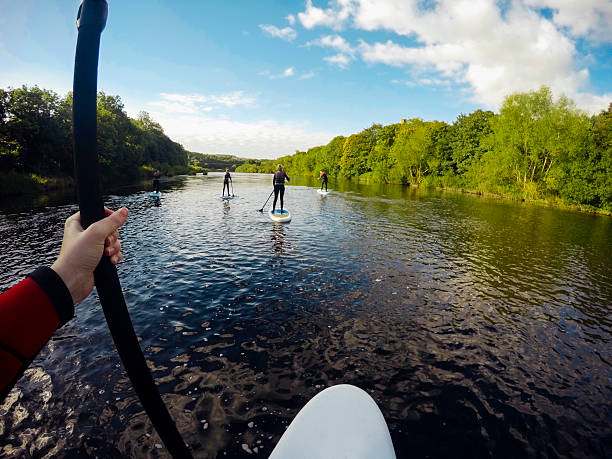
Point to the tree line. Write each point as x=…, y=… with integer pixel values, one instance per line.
x=533, y=149
x=215, y=162
x=36, y=145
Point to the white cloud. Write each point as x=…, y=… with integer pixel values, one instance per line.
x=288, y=72
x=341, y=60
x=346, y=52
x=474, y=42
x=186, y=118
x=433, y=82
x=258, y=139
x=332, y=41
x=194, y=103
x=307, y=76
x=290, y=19
x=333, y=17
x=592, y=103
x=591, y=19
x=286, y=33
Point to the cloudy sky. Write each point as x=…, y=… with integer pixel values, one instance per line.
x=265, y=78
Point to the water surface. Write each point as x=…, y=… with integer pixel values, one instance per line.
x=482, y=328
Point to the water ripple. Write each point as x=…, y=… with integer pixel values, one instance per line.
x=482, y=328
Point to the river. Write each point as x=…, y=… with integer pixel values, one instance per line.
x=481, y=327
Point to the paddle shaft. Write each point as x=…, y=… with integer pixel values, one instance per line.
x=261, y=210
x=90, y=22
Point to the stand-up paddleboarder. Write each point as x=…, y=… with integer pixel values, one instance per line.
x=226, y=182
x=156, y=176
x=323, y=178
x=279, y=185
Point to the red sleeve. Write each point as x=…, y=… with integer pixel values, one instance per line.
x=28, y=318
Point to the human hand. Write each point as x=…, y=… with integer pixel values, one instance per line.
x=82, y=250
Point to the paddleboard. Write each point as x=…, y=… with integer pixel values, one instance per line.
x=227, y=197
x=155, y=194
x=323, y=192
x=341, y=421
x=277, y=216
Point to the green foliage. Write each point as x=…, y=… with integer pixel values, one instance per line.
x=534, y=149
x=14, y=183
x=35, y=131
x=36, y=138
x=583, y=175
x=468, y=139
x=214, y=162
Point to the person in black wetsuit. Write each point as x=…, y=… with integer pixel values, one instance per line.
x=226, y=182
x=279, y=185
x=156, y=176
x=323, y=178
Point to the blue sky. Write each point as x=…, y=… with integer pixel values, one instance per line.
x=265, y=78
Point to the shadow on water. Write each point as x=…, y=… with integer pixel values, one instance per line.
x=481, y=328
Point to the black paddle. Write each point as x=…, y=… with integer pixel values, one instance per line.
x=261, y=210
x=91, y=20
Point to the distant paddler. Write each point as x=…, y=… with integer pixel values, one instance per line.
x=226, y=182
x=279, y=185
x=323, y=178
x=156, y=176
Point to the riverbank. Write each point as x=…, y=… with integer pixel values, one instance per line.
x=553, y=201
x=15, y=184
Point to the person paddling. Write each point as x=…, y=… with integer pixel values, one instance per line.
x=156, y=176
x=226, y=182
x=279, y=185
x=33, y=309
x=323, y=178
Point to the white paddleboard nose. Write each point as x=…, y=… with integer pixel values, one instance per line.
x=340, y=422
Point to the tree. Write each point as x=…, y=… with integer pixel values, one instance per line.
x=409, y=152
x=532, y=135
x=332, y=154
x=31, y=130
x=379, y=159
x=354, y=160
x=583, y=174
x=439, y=155
x=468, y=139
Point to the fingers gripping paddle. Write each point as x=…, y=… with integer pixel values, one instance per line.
x=261, y=210
x=90, y=22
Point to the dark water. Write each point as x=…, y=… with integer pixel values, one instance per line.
x=482, y=328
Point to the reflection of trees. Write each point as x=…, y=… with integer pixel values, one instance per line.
x=523, y=260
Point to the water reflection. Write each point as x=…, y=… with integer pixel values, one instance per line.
x=481, y=327
x=277, y=236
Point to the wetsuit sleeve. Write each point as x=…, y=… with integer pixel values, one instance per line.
x=287, y=177
x=30, y=312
